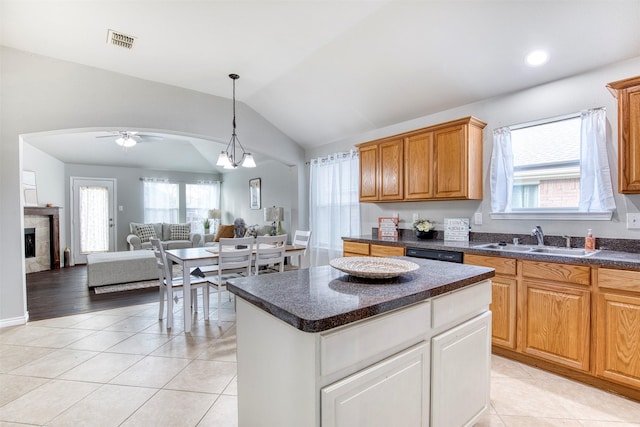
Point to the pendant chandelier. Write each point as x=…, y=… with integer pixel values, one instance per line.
x=231, y=158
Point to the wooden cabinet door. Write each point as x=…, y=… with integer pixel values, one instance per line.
x=450, y=155
x=368, y=173
x=391, y=170
x=503, y=308
x=618, y=338
x=504, y=293
x=628, y=93
x=355, y=249
x=556, y=323
x=394, y=392
x=418, y=166
x=386, y=250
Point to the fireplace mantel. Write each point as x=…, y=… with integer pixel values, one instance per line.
x=53, y=212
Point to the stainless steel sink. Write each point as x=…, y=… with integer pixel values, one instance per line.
x=546, y=250
x=562, y=251
x=507, y=247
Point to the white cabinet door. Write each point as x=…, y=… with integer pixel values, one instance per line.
x=393, y=392
x=460, y=375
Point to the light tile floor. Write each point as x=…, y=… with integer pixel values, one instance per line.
x=123, y=367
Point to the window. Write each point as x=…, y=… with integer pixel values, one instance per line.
x=334, y=204
x=200, y=198
x=546, y=165
x=161, y=202
x=552, y=169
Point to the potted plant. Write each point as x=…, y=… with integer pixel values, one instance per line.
x=424, y=228
x=207, y=225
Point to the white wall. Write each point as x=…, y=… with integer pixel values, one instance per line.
x=40, y=94
x=50, y=183
x=278, y=188
x=561, y=97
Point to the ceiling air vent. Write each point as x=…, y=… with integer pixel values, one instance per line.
x=120, y=39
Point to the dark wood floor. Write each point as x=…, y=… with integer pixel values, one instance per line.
x=61, y=292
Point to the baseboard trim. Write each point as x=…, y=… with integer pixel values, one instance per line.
x=14, y=321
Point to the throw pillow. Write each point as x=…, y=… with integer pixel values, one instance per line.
x=180, y=231
x=225, y=232
x=145, y=232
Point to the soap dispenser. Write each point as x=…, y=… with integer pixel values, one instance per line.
x=590, y=241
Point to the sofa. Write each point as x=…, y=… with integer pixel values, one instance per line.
x=172, y=236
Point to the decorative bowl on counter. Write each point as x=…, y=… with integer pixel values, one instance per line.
x=373, y=267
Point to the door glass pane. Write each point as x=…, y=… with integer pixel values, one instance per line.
x=94, y=219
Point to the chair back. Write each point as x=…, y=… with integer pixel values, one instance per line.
x=302, y=238
x=164, y=270
x=270, y=250
x=235, y=254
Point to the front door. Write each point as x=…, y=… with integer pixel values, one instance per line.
x=92, y=227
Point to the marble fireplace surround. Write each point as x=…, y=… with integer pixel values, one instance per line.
x=53, y=213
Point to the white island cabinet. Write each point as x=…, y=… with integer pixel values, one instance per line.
x=418, y=354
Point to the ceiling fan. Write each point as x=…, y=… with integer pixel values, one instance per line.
x=127, y=139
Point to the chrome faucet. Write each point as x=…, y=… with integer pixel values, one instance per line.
x=539, y=235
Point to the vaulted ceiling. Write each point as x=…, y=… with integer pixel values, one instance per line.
x=322, y=70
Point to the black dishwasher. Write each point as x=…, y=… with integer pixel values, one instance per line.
x=437, y=254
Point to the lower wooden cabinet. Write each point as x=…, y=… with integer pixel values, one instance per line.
x=618, y=328
x=556, y=323
x=366, y=249
x=504, y=292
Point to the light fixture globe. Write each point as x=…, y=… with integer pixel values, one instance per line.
x=235, y=155
x=125, y=140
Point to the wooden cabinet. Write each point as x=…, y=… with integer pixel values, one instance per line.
x=556, y=315
x=503, y=297
x=618, y=327
x=366, y=249
x=440, y=162
x=355, y=249
x=418, y=166
x=381, y=170
x=386, y=250
x=628, y=93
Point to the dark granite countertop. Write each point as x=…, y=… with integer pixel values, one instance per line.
x=321, y=298
x=602, y=258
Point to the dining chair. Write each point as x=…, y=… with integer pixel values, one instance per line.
x=168, y=283
x=300, y=238
x=270, y=251
x=234, y=260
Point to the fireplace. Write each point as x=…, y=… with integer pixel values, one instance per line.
x=29, y=242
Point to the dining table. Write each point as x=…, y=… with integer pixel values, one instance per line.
x=190, y=258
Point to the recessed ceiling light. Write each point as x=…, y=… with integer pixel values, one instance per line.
x=537, y=57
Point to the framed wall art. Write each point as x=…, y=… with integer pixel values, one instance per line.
x=29, y=188
x=254, y=193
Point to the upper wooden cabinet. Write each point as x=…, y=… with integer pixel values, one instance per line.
x=439, y=162
x=628, y=93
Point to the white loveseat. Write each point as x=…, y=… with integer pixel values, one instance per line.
x=172, y=236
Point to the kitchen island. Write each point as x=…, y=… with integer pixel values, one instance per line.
x=318, y=347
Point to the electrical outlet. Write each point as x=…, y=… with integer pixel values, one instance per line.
x=477, y=218
x=633, y=221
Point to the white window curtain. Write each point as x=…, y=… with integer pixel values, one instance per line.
x=596, y=191
x=94, y=219
x=161, y=202
x=501, y=170
x=200, y=199
x=333, y=203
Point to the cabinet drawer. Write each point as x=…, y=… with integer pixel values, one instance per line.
x=356, y=248
x=576, y=274
x=619, y=279
x=501, y=265
x=461, y=305
x=353, y=344
x=386, y=250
